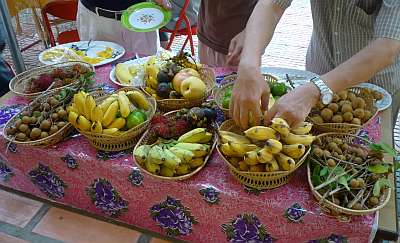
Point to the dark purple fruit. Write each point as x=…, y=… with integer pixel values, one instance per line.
x=211, y=114
x=196, y=114
x=163, y=90
x=164, y=77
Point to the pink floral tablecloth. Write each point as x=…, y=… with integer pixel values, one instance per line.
x=209, y=207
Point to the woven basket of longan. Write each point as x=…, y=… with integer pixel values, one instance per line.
x=349, y=111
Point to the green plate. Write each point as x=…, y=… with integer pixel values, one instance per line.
x=145, y=17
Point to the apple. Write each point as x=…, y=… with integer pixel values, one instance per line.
x=182, y=75
x=193, y=88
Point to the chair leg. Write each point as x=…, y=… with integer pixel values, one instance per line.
x=191, y=44
x=184, y=44
x=171, y=39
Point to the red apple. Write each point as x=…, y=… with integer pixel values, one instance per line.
x=182, y=75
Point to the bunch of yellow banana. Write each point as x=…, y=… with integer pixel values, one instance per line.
x=151, y=70
x=175, y=157
x=109, y=117
x=262, y=148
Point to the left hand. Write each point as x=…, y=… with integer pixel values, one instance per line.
x=235, y=49
x=294, y=106
x=164, y=3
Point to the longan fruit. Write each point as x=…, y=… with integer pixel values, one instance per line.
x=348, y=116
x=44, y=134
x=326, y=114
x=20, y=136
x=351, y=96
x=54, y=116
x=26, y=119
x=361, y=182
x=357, y=206
x=359, y=113
x=335, y=98
x=334, y=107
x=342, y=157
x=318, y=152
x=356, y=121
x=62, y=113
x=360, y=103
x=346, y=108
x=45, y=125
x=338, y=141
x=33, y=120
x=18, y=122
x=35, y=133
x=25, y=113
x=358, y=160
x=373, y=201
x=343, y=94
x=337, y=119
x=28, y=132
x=46, y=106
x=317, y=119
x=23, y=127
x=354, y=183
x=331, y=163
x=53, y=129
x=327, y=153
x=320, y=105
x=367, y=115
x=37, y=113
x=53, y=102
x=60, y=124
x=344, y=146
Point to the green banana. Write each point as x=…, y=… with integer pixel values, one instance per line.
x=156, y=155
x=183, y=154
x=183, y=169
x=171, y=160
x=199, y=150
x=152, y=168
x=141, y=153
x=194, y=163
x=167, y=172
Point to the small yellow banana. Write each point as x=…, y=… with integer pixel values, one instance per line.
x=110, y=114
x=261, y=133
x=152, y=168
x=193, y=136
x=207, y=137
x=303, y=129
x=251, y=158
x=233, y=137
x=264, y=156
x=281, y=126
x=79, y=100
x=150, y=90
x=90, y=104
x=122, y=73
x=106, y=103
x=83, y=123
x=241, y=149
x=152, y=82
x=273, y=146
x=227, y=150
x=183, y=169
x=117, y=123
x=294, y=151
x=110, y=131
x=73, y=108
x=97, y=114
x=183, y=154
x=96, y=127
x=302, y=139
x=272, y=166
x=197, y=162
x=285, y=162
x=167, y=172
x=124, y=104
x=73, y=117
x=138, y=98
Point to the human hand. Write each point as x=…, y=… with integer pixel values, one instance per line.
x=164, y=3
x=295, y=105
x=235, y=49
x=250, y=96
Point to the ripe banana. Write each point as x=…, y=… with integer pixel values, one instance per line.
x=193, y=136
x=171, y=160
x=281, y=126
x=294, y=151
x=152, y=168
x=90, y=104
x=106, y=103
x=156, y=155
x=199, y=150
x=285, y=162
x=272, y=166
x=273, y=146
x=207, y=137
x=138, y=98
x=251, y=158
x=234, y=161
x=261, y=133
x=152, y=82
x=83, y=123
x=141, y=153
x=72, y=118
x=79, y=100
x=110, y=131
x=110, y=114
x=257, y=168
x=96, y=127
x=122, y=73
x=73, y=108
x=150, y=90
x=117, y=123
x=124, y=104
x=227, y=150
x=97, y=114
x=264, y=156
x=241, y=149
x=183, y=154
x=183, y=169
x=167, y=172
x=302, y=139
x=197, y=162
x=232, y=137
x=303, y=129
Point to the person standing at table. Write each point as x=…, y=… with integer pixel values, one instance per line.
x=100, y=20
x=219, y=31
x=6, y=74
x=352, y=42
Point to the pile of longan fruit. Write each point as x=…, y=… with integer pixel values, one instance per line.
x=346, y=107
x=39, y=121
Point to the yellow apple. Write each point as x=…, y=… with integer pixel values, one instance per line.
x=182, y=75
x=193, y=88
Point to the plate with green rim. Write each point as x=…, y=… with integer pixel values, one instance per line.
x=145, y=17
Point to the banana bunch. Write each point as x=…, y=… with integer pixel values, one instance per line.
x=151, y=70
x=110, y=116
x=266, y=149
x=175, y=157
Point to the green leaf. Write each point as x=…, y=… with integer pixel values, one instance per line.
x=375, y=147
x=343, y=180
x=338, y=170
x=396, y=165
x=378, y=169
x=382, y=182
x=383, y=147
x=324, y=171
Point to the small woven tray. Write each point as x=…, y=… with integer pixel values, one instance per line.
x=148, y=138
x=18, y=83
x=258, y=180
x=123, y=141
x=227, y=83
x=345, y=127
x=208, y=77
x=329, y=206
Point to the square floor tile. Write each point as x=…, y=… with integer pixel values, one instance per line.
x=71, y=227
x=10, y=239
x=17, y=210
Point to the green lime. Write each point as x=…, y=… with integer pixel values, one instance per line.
x=278, y=89
x=135, y=118
x=228, y=93
x=141, y=113
x=226, y=101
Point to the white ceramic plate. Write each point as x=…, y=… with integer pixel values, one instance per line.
x=92, y=50
x=299, y=77
x=384, y=103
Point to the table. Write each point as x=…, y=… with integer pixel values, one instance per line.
x=209, y=207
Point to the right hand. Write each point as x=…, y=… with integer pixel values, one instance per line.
x=249, y=89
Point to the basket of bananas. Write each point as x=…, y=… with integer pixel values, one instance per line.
x=178, y=83
x=114, y=122
x=174, y=148
x=264, y=157
x=348, y=112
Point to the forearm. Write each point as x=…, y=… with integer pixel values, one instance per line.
x=259, y=31
x=360, y=68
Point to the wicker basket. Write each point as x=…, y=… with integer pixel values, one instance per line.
x=125, y=140
x=50, y=140
x=149, y=138
x=18, y=83
x=258, y=180
x=227, y=83
x=327, y=205
x=207, y=75
x=346, y=127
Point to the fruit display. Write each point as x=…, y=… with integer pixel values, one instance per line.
x=349, y=174
x=266, y=149
x=353, y=106
x=117, y=113
x=74, y=53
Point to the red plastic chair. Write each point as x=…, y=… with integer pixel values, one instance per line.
x=189, y=30
x=65, y=10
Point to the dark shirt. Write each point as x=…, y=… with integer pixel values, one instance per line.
x=114, y=5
